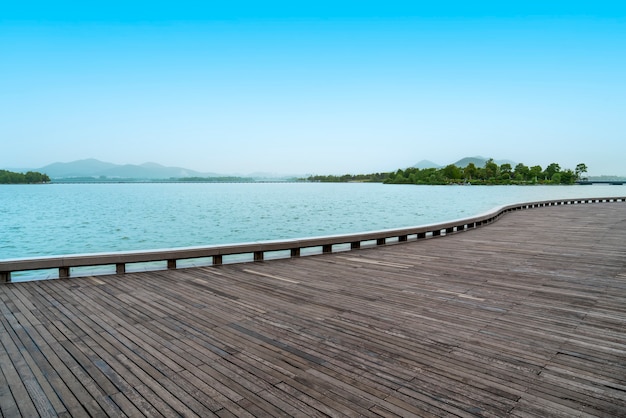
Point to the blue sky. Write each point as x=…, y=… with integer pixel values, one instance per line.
x=341, y=87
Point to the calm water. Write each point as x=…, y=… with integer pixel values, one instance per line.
x=55, y=219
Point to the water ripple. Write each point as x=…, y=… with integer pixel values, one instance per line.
x=73, y=218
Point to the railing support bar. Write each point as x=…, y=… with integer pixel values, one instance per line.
x=120, y=268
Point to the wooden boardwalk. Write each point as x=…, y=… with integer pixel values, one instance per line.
x=525, y=317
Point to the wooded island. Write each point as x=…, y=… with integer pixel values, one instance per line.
x=490, y=173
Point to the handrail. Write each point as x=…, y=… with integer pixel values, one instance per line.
x=258, y=249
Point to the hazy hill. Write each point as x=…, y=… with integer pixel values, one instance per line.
x=477, y=161
x=463, y=162
x=480, y=162
x=81, y=168
x=95, y=168
x=426, y=164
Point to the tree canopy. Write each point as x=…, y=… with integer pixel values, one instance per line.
x=346, y=178
x=491, y=173
x=31, y=177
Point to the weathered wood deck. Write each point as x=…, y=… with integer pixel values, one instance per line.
x=525, y=317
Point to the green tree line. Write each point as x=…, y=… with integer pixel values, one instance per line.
x=346, y=178
x=490, y=173
x=31, y=177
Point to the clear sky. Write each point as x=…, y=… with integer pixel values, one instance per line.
x=325, y=88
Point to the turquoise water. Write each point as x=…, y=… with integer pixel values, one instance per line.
x=56, y=219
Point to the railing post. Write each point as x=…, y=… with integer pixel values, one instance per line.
x=217, y=260
x=258, y=256
x=171, y=264
x=120, y=268
x=5, y=276
x=295, y=252
x=381, y=241
x=64, y=272
x=355, y=245
x=327, y=248
x=403, y=238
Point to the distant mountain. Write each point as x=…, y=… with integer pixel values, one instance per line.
x=95, y=168
x=500, y=162
x=426, y=164
x=81, y=168
x=477, y=161
x=463, y=162
x=480, y=162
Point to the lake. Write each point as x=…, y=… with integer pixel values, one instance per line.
x=56, y=219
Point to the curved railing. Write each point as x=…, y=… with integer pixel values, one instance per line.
x=260, y=249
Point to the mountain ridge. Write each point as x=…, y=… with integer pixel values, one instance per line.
x=477, y=160
x=424, y=164
x=92, y=167
x=480, y=161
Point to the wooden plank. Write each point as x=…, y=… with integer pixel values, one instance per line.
x=522, y=318
x=14, y=398
x=55, y=370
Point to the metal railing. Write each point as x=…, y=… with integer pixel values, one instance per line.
x=259, y=249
